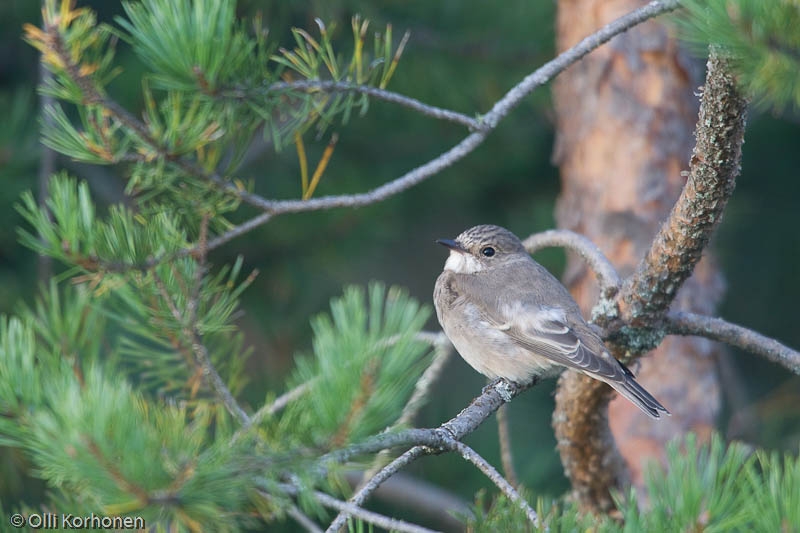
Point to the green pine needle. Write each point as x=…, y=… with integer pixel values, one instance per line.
x=366, y=361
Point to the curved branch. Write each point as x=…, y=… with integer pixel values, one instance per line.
x=607, y=276
x=488, y=122
x=680, y=323
x=512, y=98
x=713, y=168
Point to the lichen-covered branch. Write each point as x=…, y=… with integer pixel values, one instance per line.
x=713, y=168
x=588, y=452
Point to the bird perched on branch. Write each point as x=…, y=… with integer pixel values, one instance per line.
x=510, y=318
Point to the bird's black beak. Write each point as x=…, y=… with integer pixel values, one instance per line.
x=450, y=243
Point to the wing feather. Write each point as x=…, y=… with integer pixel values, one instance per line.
x=549, y=332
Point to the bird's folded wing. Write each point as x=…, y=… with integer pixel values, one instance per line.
x=547, y=332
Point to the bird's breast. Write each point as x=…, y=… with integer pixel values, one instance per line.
x=486, y=348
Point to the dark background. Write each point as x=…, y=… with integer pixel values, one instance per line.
x=462, y=55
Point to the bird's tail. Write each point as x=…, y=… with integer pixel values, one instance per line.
x=639, y=396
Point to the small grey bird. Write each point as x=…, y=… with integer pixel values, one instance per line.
x=510, y=318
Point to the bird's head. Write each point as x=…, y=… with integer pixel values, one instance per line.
x=482, y=248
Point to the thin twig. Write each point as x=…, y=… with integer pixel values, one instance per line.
x=607, y=276
x=270, y=409
x=211, y=375
x=435, y=338
x=374, y=92
x=236, y=231
x=385, y=473
x=680, y=323
x=422, y=497
x=193, y=301
x=427, y=378
x=165, y=295
x=303, y=519
x=47, y=165
x=512, y=98
x=457, y=427
x=442, y=351
x=504, y=438
x=201, y=355
x=388, y=523
x=283, y=400
x=500, y=482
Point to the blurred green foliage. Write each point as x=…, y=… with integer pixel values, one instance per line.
x=712, y=487
x=462, y=55
x=762, y=38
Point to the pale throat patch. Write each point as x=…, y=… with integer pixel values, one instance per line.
x=462, y=263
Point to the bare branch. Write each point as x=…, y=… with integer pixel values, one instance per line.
x=679, y=323
x=422, y=387
x=385, y=473
x=421, y=497
x=192, y=336
x=714, y=165
x=270, y=409
x=426, y=440
x=473, y=457
x=488, y=122
x=379, y=94
x=572, y=55
x=211, y=375
x=236, y=231
x=504, y=438
x=443, y=350
x=607, y=276
x=47, y=165
x=283, y=400
x=301, y=518
x=491, y=119
x=472, y=416
x=389, y=524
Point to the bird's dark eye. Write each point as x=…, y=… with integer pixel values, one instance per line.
x=488, y=251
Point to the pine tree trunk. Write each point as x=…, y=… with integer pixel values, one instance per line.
x=625, y=116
